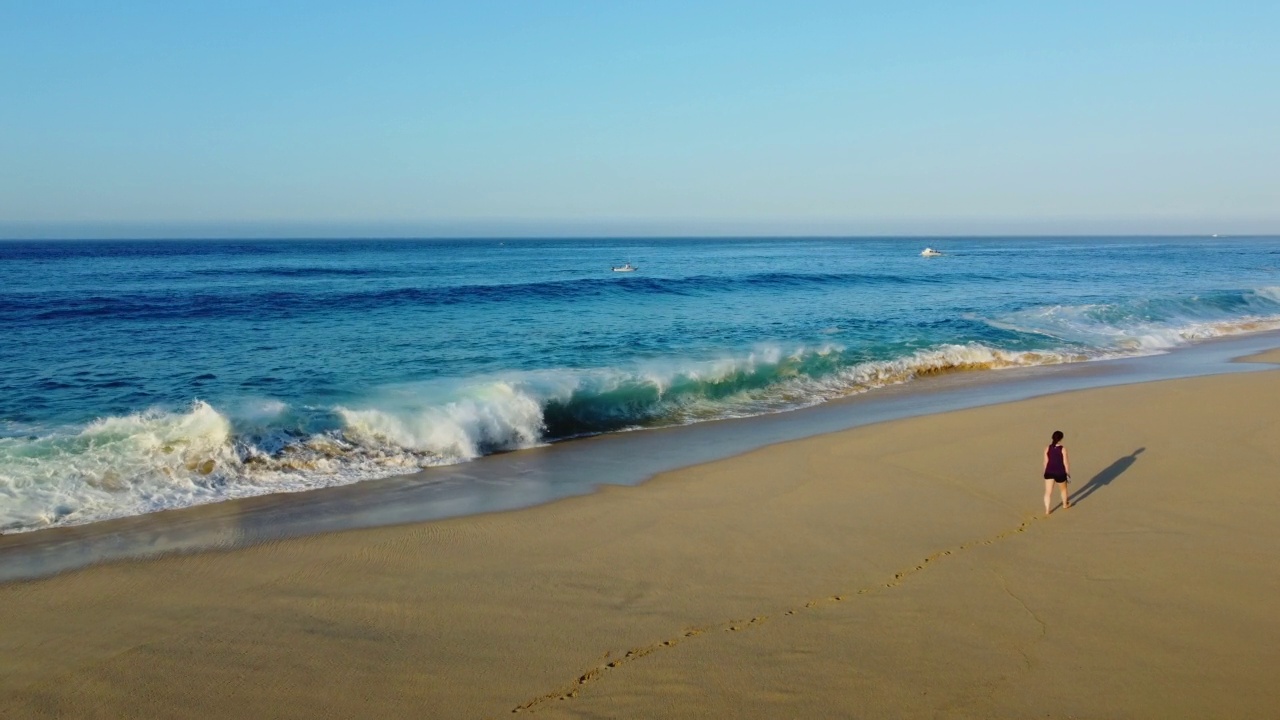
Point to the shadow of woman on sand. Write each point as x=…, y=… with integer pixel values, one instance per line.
x=1105, y=477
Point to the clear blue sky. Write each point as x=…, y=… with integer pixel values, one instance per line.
x=548, y=117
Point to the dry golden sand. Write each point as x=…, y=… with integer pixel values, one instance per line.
x=897, y=570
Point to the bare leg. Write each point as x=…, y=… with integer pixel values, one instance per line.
x=1066, y=503
x=1048, y=495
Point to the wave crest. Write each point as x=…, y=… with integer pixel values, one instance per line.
x=1152, y=325
x=159, y=459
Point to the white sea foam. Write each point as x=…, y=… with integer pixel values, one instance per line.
x=1150, y=326
x=492, y=416
x=1271, y=293
x=117, y=465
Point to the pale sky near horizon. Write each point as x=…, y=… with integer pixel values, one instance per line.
x=319, y=118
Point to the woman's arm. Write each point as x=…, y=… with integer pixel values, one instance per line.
x=1046, y=461
x=1066, y=463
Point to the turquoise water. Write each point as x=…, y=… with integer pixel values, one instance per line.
x=138, y=376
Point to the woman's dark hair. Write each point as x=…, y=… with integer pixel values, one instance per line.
x=1057, y=436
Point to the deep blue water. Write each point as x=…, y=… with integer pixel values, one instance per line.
x=136, y=376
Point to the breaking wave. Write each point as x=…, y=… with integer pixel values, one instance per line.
x=1152, y=325
x=167, y=458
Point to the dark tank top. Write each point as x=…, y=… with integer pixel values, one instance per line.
x=1055, y=461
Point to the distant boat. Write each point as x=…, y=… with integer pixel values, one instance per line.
x=930, y=252
x=625, y=268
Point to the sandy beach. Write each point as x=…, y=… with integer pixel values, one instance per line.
x=895, y=570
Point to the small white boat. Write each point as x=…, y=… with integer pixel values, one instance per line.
x=930, y=252
x=624, y=268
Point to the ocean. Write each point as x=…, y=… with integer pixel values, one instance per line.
x=137, y=376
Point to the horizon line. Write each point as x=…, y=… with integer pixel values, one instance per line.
x=660, y=236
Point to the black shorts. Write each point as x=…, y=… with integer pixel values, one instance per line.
x=1055, y=478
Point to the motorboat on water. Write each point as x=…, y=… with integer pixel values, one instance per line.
x=930, y=252
x=628, y=267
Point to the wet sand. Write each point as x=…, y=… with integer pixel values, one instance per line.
x=895, y=570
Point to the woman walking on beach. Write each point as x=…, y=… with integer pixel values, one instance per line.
x=1057, y=470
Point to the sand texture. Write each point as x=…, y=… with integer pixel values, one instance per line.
x=1270, y=356
x=896, y=570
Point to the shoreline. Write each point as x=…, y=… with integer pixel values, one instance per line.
x=530, y=478
x=894, y=569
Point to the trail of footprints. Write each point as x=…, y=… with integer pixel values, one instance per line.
x=572, y=690
x=609, y=663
